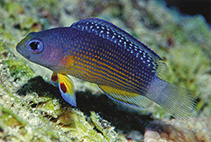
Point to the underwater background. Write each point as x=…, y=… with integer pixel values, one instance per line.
x=31, y=109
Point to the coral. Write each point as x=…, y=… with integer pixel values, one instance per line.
x=191, y=130
x=32, y=110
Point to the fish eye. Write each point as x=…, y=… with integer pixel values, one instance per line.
x=35, y=46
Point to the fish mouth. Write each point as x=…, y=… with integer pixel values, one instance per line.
x=20, y=50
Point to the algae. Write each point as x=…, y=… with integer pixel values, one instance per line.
x=31, y=109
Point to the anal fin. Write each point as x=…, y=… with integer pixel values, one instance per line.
x=125, y=97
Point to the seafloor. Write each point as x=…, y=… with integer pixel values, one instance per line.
x=31, y=109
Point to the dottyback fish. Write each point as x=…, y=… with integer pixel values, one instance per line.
x=99, y=52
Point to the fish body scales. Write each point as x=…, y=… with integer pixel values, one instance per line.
x=106, y=63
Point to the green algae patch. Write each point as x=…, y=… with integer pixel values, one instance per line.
x=104, y=127
x=19, y=122
x=83, y=130
x=19, y=69
x=3, y=50
x=185, y=63
x=11, y=119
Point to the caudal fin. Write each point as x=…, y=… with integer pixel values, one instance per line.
x=176, y=100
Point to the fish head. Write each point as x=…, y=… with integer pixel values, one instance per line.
x=43, y=48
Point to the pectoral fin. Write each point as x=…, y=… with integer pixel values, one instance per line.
x=54, y=79
x=126, y=97
x=66, y=88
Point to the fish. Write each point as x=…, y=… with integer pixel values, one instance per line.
x=97, y=51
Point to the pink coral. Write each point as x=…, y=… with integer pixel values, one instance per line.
x=191, y=130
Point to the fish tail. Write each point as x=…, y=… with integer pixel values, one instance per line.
x=178, y=101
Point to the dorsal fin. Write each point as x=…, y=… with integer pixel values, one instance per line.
x=113, y=33
x=125, y=97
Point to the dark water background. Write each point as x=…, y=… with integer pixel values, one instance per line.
x=192, y=7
